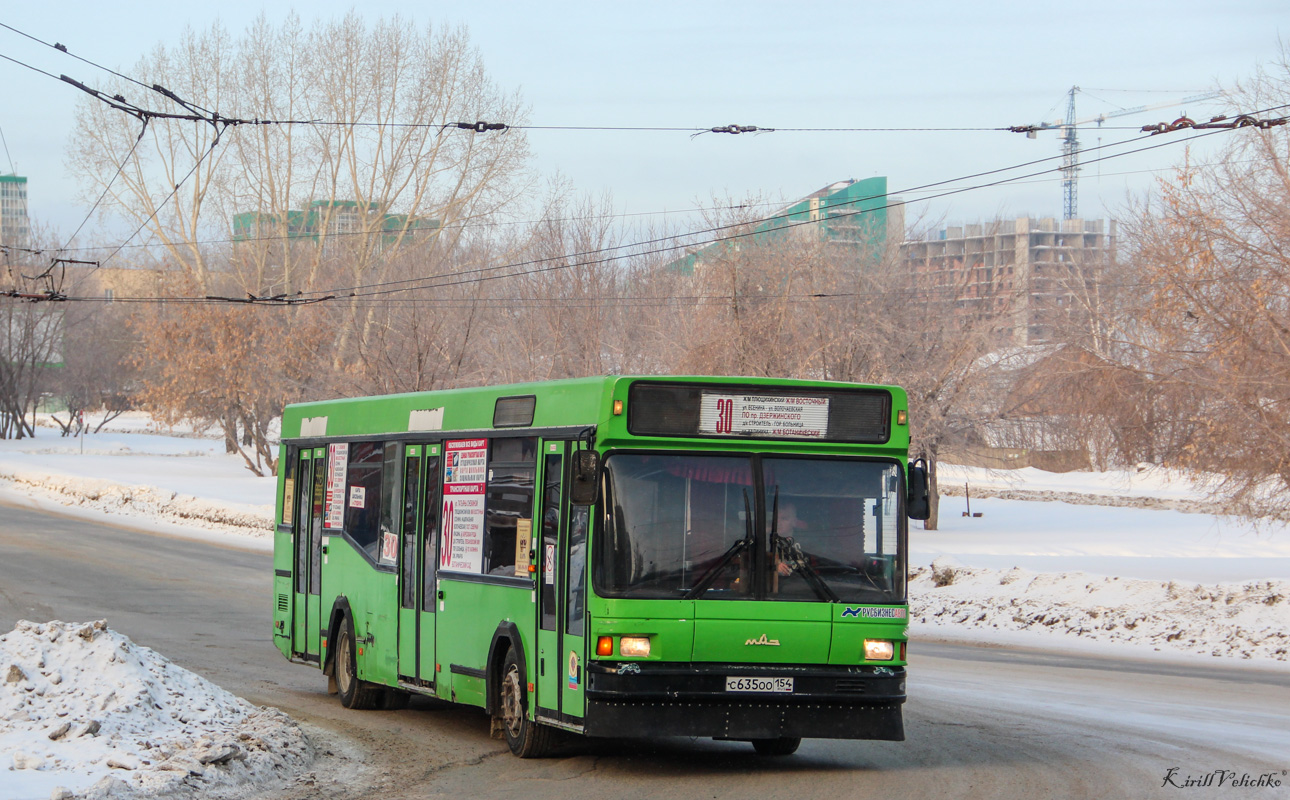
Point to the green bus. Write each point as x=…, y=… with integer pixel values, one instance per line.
x=611, y=556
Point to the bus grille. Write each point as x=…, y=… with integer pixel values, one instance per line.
x=283, y=603
x=850, y=685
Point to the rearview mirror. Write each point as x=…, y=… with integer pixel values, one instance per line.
x=586, y=478
x=917, y=505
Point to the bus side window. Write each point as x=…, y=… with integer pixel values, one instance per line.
x=509, y=499
x=370, y=492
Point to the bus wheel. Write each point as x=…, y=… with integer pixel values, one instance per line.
x=354, y=693
x=526, y=738
x=776, y=747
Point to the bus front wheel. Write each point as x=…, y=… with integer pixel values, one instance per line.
x=354, y=693
x=526, y=738
x=776, y=747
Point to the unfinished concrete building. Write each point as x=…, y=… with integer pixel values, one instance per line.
x=1041, y=272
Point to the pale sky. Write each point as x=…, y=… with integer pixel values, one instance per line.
x=770, y=64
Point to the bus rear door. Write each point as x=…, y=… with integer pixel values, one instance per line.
x=311, y=480
x=417, y=561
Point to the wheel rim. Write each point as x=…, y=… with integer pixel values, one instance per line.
x=343, y=678
x=512, y=710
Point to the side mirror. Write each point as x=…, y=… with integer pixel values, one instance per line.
x=916, y=500
x=586, y=478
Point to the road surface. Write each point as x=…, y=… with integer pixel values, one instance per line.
x=981, y=722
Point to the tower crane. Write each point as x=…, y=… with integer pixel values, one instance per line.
x=1070, y=144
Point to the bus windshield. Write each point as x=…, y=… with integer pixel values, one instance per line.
x=822, y=530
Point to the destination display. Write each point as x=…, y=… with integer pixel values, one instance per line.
x=764, y=415
x=862, y=414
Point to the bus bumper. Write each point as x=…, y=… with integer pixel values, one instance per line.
x=642, y=699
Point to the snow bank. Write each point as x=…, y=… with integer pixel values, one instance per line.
x=1245, y=621
x=85, y=712
x=149, y=502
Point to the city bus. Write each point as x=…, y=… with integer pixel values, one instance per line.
x=620, y=556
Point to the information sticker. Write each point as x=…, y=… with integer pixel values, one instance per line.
x=464, y=467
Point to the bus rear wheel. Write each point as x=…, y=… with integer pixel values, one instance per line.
x=526, y=738
x=776, y=747
x=354, y=693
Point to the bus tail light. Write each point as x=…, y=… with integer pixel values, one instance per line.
x=634, y=646
x=878, y=650
x=605, y=646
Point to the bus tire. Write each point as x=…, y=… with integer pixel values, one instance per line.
x=354, y=693
x=526, y=738
x=776, y=747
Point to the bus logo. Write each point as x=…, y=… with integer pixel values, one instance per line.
x=762, y=641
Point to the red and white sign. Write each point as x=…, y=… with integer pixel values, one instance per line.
x=764, y=416
x=389, y=548
x=337, y=463
x=465, y=466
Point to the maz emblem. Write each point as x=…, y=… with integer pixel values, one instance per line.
x=763, y=640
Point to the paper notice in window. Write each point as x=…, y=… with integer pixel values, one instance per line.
x=464, y=468
x=523, y=546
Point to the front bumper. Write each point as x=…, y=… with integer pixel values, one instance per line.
x=676, y=699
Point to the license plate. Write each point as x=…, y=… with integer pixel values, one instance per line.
x=774, y=685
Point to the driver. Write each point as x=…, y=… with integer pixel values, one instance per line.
x=787, y=522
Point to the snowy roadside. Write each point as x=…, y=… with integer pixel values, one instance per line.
x=86, y=713
x=1245, y=621
x=176, y=482
x=174, y=511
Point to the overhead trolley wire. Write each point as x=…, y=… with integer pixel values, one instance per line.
x=382, y=289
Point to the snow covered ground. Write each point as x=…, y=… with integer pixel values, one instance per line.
x=170, y=481
x=85, y=712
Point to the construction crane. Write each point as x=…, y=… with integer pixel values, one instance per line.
x=1070, y=144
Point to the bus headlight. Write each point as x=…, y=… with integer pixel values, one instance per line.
x=634, y=646
x=878, y=650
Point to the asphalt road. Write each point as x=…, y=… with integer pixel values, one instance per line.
x=981, y=722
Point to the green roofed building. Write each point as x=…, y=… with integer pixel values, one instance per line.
x=854, y=214
x=324, y=219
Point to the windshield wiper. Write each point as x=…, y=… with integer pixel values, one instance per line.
x=738, y=547
x=791, y=552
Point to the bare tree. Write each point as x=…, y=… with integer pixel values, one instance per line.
x=1213, y=334
x=315, y=204
x=236, y=366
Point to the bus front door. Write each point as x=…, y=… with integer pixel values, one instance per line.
x=562, y=563
x=311, y=480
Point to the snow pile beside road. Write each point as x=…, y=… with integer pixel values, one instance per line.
x=85, y=710
x=1246, y=621
x=143, y=501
